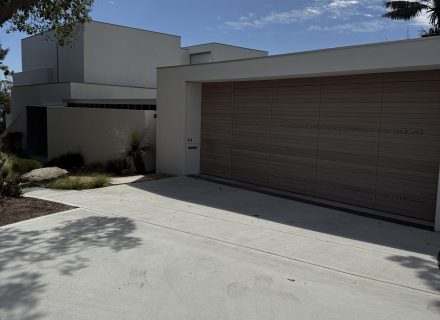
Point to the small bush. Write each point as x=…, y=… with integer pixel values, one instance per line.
x=69, y=161
x=10, y=188
x=12, y=143
x=100, y=181
x=135, y=150
x=96, y=167
x=22, y=166
x=80, y=182
x=117, y=166
x=14, y=166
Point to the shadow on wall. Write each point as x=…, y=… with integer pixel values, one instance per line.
x=287, y=212
x=21, y=292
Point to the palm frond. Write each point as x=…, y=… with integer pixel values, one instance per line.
x=405, y=10
x=396, y=4
x=434, y=14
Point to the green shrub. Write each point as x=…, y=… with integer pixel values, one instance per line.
x=135, y=150
x=11, y=143
x=99, y=181
x=70, y=162
x=68, y=183
x=22, y=166
x=96, y=167
x=114, y=166
x=80, y=182
x=10, y=188
x=14, y=166
x=117, y=166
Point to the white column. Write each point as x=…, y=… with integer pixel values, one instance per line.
x=193, y=127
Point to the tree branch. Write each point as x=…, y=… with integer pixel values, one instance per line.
x=10, y=8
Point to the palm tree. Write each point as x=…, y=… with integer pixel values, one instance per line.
x=408, y=10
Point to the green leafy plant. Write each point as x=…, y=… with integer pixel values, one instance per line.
x=117, y=166
x=22, y=166
x=9, y=187
x=93, y=168
x=64, y=17
x=5, y=96
x=11, y=143
x=3, y=54
x=13, y=166
x=5, y=90
x=135, y=150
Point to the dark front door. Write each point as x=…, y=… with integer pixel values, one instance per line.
x=36, y=118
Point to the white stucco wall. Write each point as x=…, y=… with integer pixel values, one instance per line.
x=418, y=54
x=42, y=52
x=55, y=94
x=71, y=61
x=35, y=95
x=223, y=52
x=120, y=55
x=96, y=91
x=104, y=54
x=39, y=52
x=37, y=76
x=98, y=134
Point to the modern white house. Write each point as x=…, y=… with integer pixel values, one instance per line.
x=353, y=127
x=84, y=98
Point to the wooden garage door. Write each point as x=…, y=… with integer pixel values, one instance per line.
x=367, y=140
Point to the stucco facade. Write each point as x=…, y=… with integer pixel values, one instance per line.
x=175, y=100
x=223, y=52
x=81, y=135
x=179, y=90
x=108, y=65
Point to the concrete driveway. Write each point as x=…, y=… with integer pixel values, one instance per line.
x=183, y=248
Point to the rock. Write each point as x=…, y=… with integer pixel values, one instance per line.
x=44, y=174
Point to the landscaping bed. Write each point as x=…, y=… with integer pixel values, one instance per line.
x=19, y=209
x=76, y=182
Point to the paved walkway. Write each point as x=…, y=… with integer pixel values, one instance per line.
x=130, y=179
x=182, y=248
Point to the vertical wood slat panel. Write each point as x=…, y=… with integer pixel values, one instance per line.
x=216, y=129
x=367, y=140
x=294, y=137
x=409, y=146
x=347, y=169
x=251, y=134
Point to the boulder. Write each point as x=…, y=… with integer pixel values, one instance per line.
x=44, y=174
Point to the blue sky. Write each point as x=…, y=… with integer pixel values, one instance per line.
x=278, y=26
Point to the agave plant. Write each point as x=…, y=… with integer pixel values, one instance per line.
x=136, y=148
x=408, y=10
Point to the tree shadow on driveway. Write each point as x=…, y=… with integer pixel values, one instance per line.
x=424, y=269
x=20, y=289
